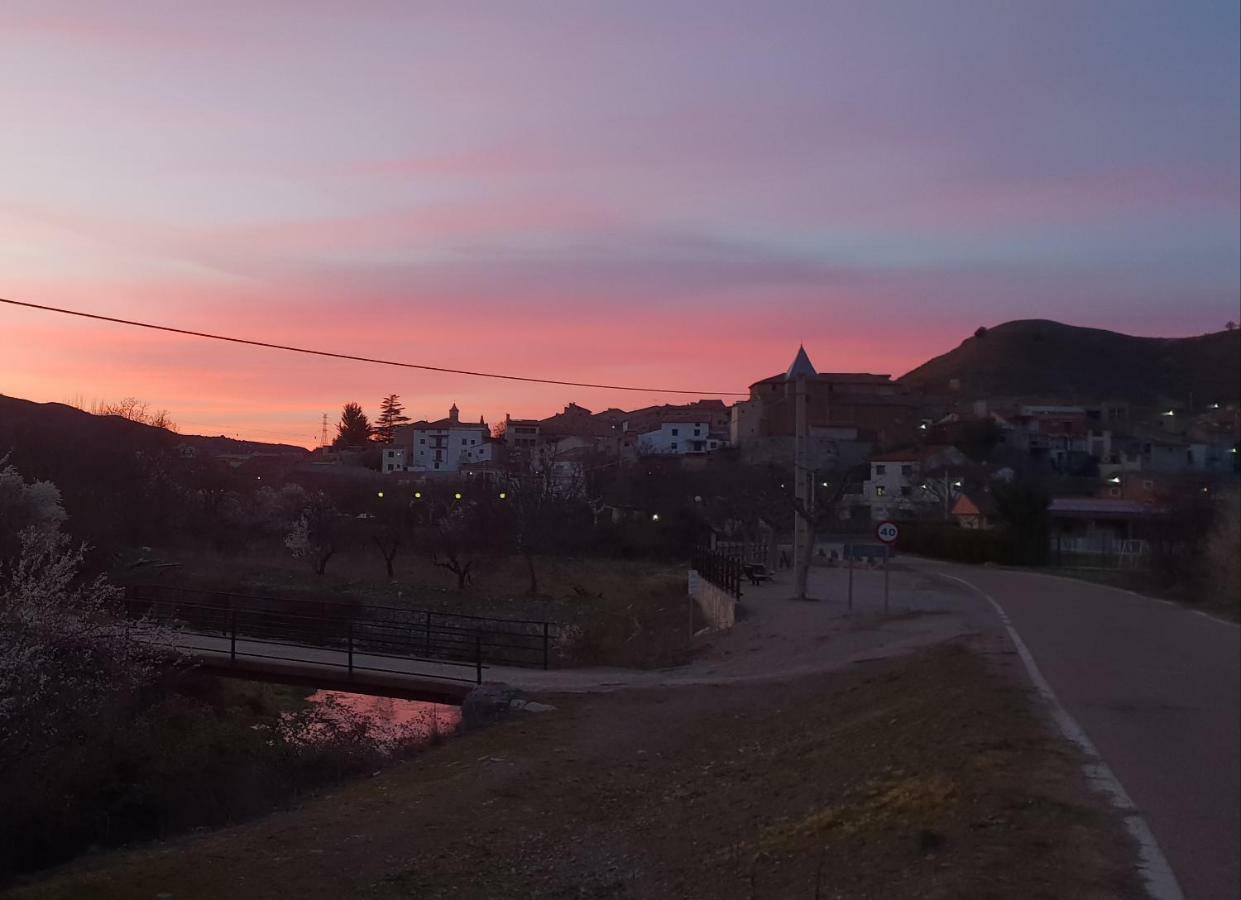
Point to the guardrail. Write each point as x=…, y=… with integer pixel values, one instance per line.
x=403, y=632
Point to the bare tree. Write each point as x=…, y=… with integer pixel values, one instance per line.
x=823, y=508
x=391, y=529
x=455, y=543
x=135, y=410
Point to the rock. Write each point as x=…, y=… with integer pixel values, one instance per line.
x=488, y=704
x=537, y=707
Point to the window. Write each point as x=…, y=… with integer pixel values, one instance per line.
x=697, y=432
x=907, y=471
x=674, y=434
x=881, y=469
x=674, y=443
x=422, y=440
x=464, y=442
x=905, y=491
x=880, y=490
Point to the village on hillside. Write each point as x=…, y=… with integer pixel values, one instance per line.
x=1113, y=469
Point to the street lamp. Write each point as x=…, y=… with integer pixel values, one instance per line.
x=655, y=517
x=503, y=496
x=457, y=496
x=417, y=495
x=380, y=495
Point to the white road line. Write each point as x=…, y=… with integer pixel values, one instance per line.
x=1120, y=590
x=1207, y=615
x=1160, y=880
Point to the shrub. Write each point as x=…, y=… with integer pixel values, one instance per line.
x=1222, y=557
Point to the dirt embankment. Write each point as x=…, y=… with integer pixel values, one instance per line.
x=927, y=776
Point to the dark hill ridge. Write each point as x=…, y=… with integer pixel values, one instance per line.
x=1040, y=358
x=48, y=421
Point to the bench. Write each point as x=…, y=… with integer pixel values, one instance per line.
x=757, y=573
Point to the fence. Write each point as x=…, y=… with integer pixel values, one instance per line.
x=725, y=572
x=1099, y=552
x=377, y=630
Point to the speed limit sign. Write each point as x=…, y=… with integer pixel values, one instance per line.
x=887, y=532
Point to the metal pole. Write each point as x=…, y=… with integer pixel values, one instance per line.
x=232, y=649
x=546, y=653
x=887, y=552
x=849, y=553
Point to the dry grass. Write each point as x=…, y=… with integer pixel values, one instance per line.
x=616, y=612
x=1223, y=557
x=926, y=777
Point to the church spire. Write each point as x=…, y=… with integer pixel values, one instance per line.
x=801, y=366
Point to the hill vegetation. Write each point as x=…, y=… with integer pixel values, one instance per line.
x=1039, y=358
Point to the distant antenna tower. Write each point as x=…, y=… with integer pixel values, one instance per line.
x=323, y=434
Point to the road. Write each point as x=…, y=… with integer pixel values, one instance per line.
x=1157, y=688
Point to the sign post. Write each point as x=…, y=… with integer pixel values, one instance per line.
x=887, y=532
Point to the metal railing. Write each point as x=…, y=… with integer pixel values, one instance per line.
x=409, y=633
x=725, y=572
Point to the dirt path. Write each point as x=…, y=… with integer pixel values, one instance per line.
x=776, y=637
x=926, y=776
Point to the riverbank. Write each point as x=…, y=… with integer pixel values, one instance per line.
x=922, y=776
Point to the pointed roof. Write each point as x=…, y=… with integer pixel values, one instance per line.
x=801, y=366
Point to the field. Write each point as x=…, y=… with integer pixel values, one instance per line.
x=621, y=612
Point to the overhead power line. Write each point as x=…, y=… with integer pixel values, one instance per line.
x=366, y=359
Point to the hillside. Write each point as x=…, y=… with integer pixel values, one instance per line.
x=50, y=421
x=1039, y=358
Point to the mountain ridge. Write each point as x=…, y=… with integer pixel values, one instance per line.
x=1044, y=358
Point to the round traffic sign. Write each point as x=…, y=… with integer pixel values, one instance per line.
x=887, y=532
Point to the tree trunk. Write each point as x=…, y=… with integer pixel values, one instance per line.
x=802, y=573
x=534, y=579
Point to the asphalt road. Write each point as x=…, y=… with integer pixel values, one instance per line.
x=1157, y=688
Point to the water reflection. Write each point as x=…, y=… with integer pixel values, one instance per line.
x=387, y=720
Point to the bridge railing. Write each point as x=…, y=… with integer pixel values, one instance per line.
x=270, y=635
x=399, y=631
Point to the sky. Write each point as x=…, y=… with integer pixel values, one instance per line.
x=667, y=194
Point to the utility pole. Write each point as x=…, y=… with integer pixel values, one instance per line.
x=323, y=434
x=802, y=490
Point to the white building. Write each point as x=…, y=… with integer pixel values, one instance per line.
x=679, y=438
x=444, y=446
x=913, y=482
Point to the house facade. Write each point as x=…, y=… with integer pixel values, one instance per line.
x=445, y=446
x=679, y=438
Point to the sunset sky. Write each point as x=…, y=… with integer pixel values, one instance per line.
x=665, y=193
